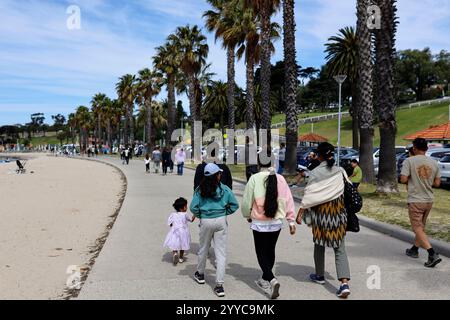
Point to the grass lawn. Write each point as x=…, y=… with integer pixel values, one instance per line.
x=278, y=118
x=393, y=210
x=45, y=140
x=408, y=120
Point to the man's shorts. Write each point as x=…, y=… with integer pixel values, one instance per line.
x=418, y=214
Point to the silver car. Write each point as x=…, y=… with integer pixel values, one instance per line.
x=444, y=166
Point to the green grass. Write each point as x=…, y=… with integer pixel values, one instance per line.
x=408, y=121
x=45, y=140
x=392, y=209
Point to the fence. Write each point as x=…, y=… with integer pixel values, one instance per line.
x=315, y=119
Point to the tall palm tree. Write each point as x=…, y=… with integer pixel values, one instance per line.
x=126, y=90
x=342, y=58
x=193, y=51
x=216, y=101
x=167, y=63
x=159, y=118
x=98, y=103
x=365, y=89
x=385, y=61
x=220, y=20
x=72, y=123
x=246, y=30
x=148, y=85
x=265, y=9
x=83, y=121
x=290, y=86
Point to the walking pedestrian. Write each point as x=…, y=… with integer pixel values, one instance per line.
x=324, y=195
x=156, y=157
x=212, y=203
x=180, y=159
x=166, y=155
x=421, y=173
x=281, y=158
x=226, y=177
x=179, y=238
x=267, y=202
x=126, y=155
x=147, y=163
x=357, y=175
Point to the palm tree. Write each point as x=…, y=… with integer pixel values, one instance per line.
x=216, y=101
x=148, y=85
x=167, y=63
x=193, y=51
x=126, y=90
x=220, y=21
x=71, y=122
x=290, y=87
x=385, y=61
x=98, y=103
x=364, y=87
x=83, y=121
x=247, y=30
x=265, y=9
x=159, y=118
x=342, y=58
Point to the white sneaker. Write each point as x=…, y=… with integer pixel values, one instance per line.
x=180, y=260
x=275, y=289
x=263, y=285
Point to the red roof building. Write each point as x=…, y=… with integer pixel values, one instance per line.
x=312, y=139
x=440, y=133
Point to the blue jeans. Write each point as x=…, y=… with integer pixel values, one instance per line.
x=180, y=169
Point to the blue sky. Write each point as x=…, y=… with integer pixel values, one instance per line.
x=45, y=67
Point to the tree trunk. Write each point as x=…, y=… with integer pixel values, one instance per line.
x=231, y=87
x=126, y=138
x=109, y=133
x=250, y=94
x=171, y=108
x=290, y=87
x=265, y=69
x=365, y=89
x=385, y=61
x=148, y=125
x=131, y=118
x=193, y=109
x=99, y=128
x=355, y=117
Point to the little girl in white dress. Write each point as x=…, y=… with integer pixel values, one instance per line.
x=179, y=238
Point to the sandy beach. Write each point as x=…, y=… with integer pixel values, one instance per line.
x=51, y=219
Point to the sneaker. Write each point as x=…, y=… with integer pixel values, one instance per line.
x=412, y=253
x=175, y=259
x=274, y=289
x=317, y=279
x=218, y=290
x=433, y=261
x=263, y=285
x=344, y=291
x=180, y=260
x=200, y=278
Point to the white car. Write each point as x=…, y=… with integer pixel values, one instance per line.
x=437, y=153
x=444, y=166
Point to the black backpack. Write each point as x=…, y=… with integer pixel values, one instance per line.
x=353, y=205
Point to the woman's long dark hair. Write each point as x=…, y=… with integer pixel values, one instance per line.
x=208, y=186
x=271, y=199
x=326, y=151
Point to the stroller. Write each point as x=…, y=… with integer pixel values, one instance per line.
x=21, y=167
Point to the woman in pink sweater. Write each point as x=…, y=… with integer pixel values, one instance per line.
x=267, y=202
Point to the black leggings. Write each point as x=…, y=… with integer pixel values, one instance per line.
x=265, y=243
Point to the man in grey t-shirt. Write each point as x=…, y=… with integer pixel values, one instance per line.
x=421, y=174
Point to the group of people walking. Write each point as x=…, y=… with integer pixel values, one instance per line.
x=267, y=204
x=164, y=158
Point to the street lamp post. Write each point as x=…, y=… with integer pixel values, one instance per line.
x=340, y=79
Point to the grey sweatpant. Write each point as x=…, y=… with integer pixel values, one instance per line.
x=340, y=257
x=216, y=229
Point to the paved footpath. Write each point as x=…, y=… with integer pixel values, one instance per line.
x=134, y=265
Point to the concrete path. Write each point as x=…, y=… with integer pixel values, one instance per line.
x=134, y=265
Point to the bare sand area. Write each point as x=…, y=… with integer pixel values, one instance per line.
x=51, y=219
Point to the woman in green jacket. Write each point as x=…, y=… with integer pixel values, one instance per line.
x=212, y=203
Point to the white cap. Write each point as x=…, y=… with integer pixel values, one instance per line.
x=211, y=169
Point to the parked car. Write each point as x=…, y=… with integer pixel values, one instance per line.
x=437, y=153
x=444, y=165
x=400, y=159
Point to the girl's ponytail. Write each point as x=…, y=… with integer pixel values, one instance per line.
x=271, y=201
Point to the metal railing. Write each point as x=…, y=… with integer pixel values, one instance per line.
x=315, y=119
